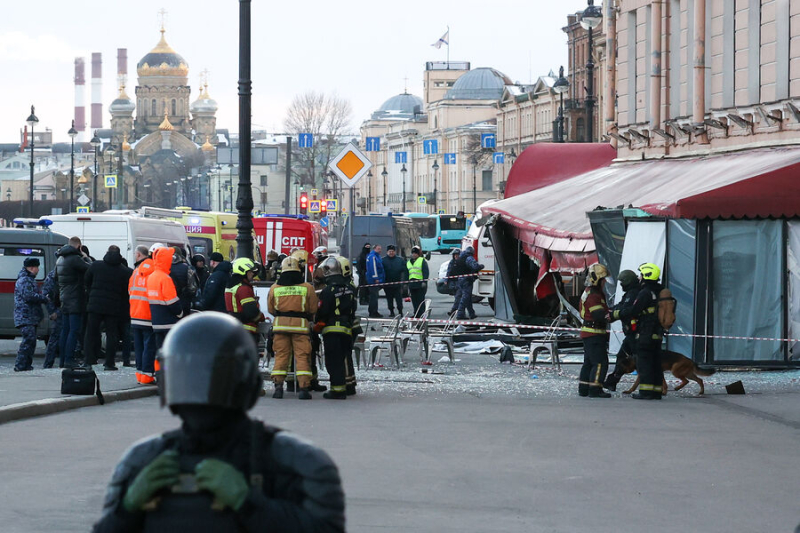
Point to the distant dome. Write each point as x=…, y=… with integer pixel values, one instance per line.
x=400, y=106
x=162, y=61
x=204, y=103
x=479, y=84
x=122, y=104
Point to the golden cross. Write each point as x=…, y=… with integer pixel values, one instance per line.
x=162, y=13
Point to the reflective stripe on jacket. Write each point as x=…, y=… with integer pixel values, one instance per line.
x=165, y=307
x=292, y=306
x=415, y=268
x=592, y=302
x=237, y=299
x=137, y=289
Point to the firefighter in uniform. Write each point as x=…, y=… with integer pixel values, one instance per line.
x=337, y=308
x=292, y=302
x=349, y=369
x=594, y=313
x=630, y=285
x=302, y=257
x=649, y=333
x=240, y=299
x=221, y=470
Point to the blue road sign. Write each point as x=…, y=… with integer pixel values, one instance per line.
x=401, y=157
x=431, y=147
x=332, y=205
x=111, y=181
x=488, y=140
x=373, y=144
x=305, y=140
x=449, y=159
x=323, y=222
x=313, y=206
x=82, y=209
x=499, y=158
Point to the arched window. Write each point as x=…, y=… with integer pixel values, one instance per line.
x=180, y=106
x=153, y=110
x=174, y=107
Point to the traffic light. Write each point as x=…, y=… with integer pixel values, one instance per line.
x=323, y=207
x=303, y=203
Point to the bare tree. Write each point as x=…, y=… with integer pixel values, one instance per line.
x=327, y=117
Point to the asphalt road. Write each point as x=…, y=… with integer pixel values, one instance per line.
x=480, y=448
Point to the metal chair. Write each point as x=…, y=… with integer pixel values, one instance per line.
x=388, y=341
x=444, y=334
x=547, y=344
x=417, y=330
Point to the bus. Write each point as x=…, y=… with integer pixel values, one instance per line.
x=450, y=230
x=425, y=227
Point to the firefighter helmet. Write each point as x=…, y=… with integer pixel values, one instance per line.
x=209, y=359
x=290, y=264
x=347, y=269
x=650, y=271
x=596, y=273
x=627, y=279
x=331, y=267
x=301, y=256
x=243, y=265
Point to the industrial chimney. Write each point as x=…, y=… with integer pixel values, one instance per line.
x=97, y=90
x=80, y=97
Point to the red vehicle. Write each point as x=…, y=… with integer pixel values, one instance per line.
x=283, y=233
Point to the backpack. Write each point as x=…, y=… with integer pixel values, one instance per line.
x=192, y=284
x=666, y=308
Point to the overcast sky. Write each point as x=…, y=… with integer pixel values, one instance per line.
x=358, y=49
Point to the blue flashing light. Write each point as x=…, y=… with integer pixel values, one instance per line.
x=44, y=222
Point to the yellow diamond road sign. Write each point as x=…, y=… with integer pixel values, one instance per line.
x=350, y=165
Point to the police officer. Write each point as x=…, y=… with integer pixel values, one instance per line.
x=337, y=309
x=240, y=298
x=648, y=333
x=630, y=285
x=28, y=300
x=594, y=313
x=349, y=368
x=292, y=302
x=467, y=267
x=418, y=274
x=451, y=281
x=221, y=470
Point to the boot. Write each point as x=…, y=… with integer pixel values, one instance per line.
x=350, y=390
x=642, y=395
x=304, y=394
x=598, y=392
x=278, y=394
x=316, y=387
x=334, y=395
x=611, y=382
x=583, y=389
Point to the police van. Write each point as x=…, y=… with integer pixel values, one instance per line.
x=31, y=238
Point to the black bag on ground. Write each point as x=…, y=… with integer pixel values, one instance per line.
x=81, y=381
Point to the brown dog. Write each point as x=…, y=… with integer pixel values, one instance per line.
x=681, y=367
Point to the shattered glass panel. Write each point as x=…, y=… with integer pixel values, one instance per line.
x=681, y=259
x=747, y=289
x=793, y=309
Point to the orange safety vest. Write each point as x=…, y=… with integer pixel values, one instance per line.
x=137, y=289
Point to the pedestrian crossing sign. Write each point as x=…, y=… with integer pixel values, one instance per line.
x=111, y=181
x=313, y=206
x=422, y=200
x=333, y=204
x=83, y=209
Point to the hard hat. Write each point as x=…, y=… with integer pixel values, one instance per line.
x=627, y=279
x=650, y=271
x=290, y=264
x=320, y=250
x=156, y=246
x=300, y=255
x=272, y=255
x=596, y=273
x=331, y=267
x=243, y=265
x=209, y=359
x=347, y=269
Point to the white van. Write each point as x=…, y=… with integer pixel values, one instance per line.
x=478, y=237
x=126, y=229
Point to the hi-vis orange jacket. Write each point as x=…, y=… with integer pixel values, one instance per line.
x=137, y=289
x=165, y=307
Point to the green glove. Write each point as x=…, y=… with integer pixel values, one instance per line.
x=160, y=473
x=224, y=481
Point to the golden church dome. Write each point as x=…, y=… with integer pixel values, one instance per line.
x=162, y=61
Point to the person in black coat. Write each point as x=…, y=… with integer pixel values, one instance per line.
x=107, y=287
x=213, y=296
x=184, y=278
x=71, y=267
x=361, y=268
x=199, y=264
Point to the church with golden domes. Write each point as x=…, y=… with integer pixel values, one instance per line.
x=168, y=133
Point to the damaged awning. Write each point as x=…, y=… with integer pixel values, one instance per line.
x=760, y=183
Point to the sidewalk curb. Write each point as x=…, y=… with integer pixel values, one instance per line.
x=20, y=411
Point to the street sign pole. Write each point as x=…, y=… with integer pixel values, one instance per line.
x=350, y=224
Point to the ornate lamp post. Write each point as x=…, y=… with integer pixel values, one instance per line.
x=95, y=142
x=560, y=87
x=591, y=18
x=435, y=168
x=403, y=172
x=369, y=189
x=72, y=134
x=384, y=174
x=32, y=121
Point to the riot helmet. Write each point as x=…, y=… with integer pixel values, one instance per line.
x=209, y=359
x=627, y=279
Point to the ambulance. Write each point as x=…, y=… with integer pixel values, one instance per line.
x=210, y=231
x=283, y=233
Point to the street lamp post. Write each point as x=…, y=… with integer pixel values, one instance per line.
x=435, y=192
x=110, y=155
x=403, y=172
x=369, y=190
x=72, y=134
x=384, y=174
x=95, y=142
x=560, y=87
x=474, y=188
x=32, y=121
x=591, y=18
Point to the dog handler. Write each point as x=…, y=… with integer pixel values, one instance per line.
x=630, y=284
x=595, y=314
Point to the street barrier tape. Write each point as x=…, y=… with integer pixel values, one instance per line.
x=368, y=285
x=561, y=328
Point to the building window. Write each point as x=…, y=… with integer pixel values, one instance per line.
x=153, y=110
x=263, y=180
x=174, y=107
x=486, y=180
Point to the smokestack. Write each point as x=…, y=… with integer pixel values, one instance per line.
x=80, y=97
x=122, y=63
x=97, y=90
